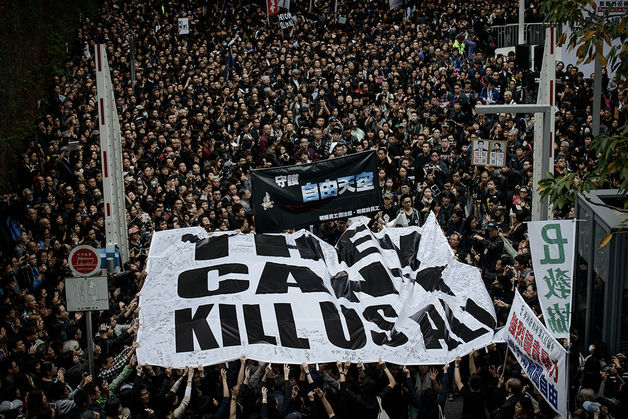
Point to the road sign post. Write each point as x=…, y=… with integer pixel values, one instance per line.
x=86, y=292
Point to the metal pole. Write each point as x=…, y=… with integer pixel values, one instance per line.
x=567, y=371
x=505, y=359
x=597, y=96
x=132, y=52
x=267, y=14
x=90, y=342
x=521, y=37
x=547, y=163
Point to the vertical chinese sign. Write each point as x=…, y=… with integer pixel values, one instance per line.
x=540, y=355
x=552, y=244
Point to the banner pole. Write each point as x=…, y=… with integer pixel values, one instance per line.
x=567, y=375
x=90, y=341
x=505, y=360
x=568, y=348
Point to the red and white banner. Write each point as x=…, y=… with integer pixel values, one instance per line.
x=272, y=7
x=543, y=359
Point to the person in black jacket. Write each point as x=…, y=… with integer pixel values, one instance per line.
x=365, y=404
x=506, y=398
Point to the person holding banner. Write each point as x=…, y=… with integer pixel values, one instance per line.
x=473, y=394
x=407, y=216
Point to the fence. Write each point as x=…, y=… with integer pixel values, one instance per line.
x=507, y=35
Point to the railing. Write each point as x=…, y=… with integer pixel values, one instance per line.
x=507, y=35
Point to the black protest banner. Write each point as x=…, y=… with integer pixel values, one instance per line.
x=293, y=196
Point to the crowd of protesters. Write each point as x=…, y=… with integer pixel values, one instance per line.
x=402, y=82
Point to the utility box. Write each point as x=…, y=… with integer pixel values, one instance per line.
x=601, y=273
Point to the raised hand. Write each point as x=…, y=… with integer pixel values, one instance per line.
x=87, y=379
x=433, y=374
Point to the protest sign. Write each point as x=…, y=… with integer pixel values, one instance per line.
x=184, y=26
x=286, y=20
x=398, y=294
x=293, y=196
x=552, y=246
x=489, y=153
x=393, y=4
x=497, y=155
x=541, y=356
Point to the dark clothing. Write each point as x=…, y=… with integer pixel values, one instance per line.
x=493, y=249
x=507, y=407
x=473, y=407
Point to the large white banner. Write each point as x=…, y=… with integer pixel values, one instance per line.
x=541, y=356
x=552, y=245
x=399, y=295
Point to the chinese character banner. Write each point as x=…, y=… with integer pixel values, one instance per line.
x=552, y=245
x=294, y=196
x=541, y=356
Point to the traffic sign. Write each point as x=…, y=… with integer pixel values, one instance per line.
x=84, y=260
x=87, y=294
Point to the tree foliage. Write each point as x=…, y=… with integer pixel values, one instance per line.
x=612, y=159
x=590, y=32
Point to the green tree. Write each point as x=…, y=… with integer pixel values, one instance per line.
x=590, y=31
